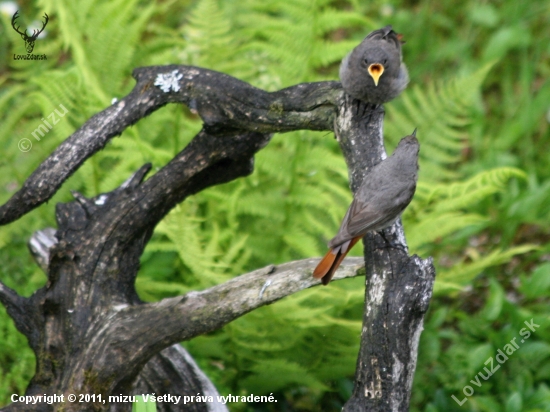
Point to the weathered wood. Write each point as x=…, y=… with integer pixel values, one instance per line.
x=223, y=102
x=398, y=287
x=174, y=372
x=90, y=332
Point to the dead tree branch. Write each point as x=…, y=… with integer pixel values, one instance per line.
x=88, y=328
x=398, y=287
x=223, y=102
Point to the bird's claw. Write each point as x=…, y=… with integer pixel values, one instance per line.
x=364, y=109
x=392, y=245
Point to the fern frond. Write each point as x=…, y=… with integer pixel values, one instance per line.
x=330, y=19
x=455, y=278
x=470, y=192
x=438, y=209
x=438, y=226
x=299, y=240
x=210, y=40
x=149, y=289
x=457, y=195
x=116, y=27
x=278, y=373
x=439, y=111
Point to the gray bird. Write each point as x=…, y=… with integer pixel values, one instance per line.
x=374, y=71
x=386, y=190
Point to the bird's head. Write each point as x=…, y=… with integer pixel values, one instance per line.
x=380, y=60
x=381, y=52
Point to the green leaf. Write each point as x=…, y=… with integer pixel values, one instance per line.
x=493, y=306
x=514, y=403
x=276, y=374
x=462, y=273
x=538, y=283
x=142, y=406
x=439, y=111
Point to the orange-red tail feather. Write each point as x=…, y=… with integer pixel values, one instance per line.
x=332, y=260
x=325, y=264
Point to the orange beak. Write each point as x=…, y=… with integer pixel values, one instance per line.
x=375, y=70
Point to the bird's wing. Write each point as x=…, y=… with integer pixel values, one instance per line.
x=363, y=217
x=358, y=220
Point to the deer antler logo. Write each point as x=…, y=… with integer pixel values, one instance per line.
x=29, y=40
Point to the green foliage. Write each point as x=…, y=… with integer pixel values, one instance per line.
x=439, y=210
x=16, y=366
x=287, y=344
x=463, y=272
x=144, y=406
x=17, y=362
x=440, y=111
x=445, y=197
x=479, y=99
x=457, y=344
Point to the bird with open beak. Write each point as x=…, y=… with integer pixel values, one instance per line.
x=374, y=71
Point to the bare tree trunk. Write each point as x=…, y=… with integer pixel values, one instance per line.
x=90, y=332
x=398, y=287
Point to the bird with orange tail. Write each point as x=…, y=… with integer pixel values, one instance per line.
x=386, y=190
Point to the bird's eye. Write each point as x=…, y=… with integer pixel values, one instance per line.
x=385, y=62
x=366, y=61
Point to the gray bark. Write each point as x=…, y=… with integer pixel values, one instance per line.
x=398, y=287
x=90, y=332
